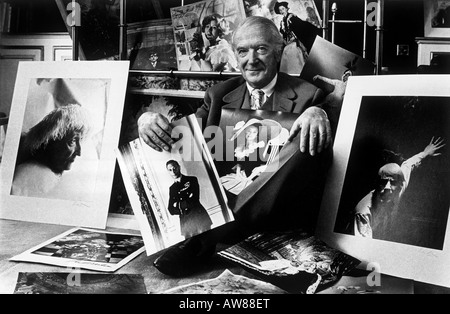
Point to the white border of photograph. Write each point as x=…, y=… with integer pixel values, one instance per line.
x=90, y=212
x=28, y=255
x=406, y=261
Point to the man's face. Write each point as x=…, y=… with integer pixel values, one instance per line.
x=258, y=60
x=389, y=188
x=212, y=31
x=153, y=57
x=62, y=153
x=174, y=171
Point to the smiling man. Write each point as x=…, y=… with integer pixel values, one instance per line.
x=292, y=197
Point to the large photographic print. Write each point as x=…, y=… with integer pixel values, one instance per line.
x=203, y=33
x=174, y=195
x=65, y=119
x=388, y=192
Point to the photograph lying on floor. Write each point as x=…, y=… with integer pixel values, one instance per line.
x=387, y=195
x=59, y=151
x=174, y=195
x=203, y=32
x=97, y=250
x=79, y=283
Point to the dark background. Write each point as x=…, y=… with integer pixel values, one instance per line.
x=404, y=21
x=404, y=125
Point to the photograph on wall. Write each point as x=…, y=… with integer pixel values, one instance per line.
x=437, y=18
x=203, y=32
x=390, y=166
x=151, y=46
x=299, y=23
x=255, y=145
x=65, y=119
x=174, y=195
x=97, y=250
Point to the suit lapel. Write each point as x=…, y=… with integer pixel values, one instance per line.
x=235, y=98
x=284, y=96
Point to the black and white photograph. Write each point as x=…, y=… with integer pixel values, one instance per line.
x=174, y=195
x=437, y=18
x=203, y=32
x=76, y=283
x=151, y=46
x=60, y=142
x=254, y=147
x=87, y=249
x=232, y=146
x=389, y=166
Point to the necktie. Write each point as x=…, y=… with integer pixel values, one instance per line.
x=258, y=97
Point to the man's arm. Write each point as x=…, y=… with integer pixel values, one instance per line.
x=155, y=130
x=431, y=150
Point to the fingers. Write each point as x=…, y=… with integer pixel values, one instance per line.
x=324, y=79
x=315, y=134
x=155, y=130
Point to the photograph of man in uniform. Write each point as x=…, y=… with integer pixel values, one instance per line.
x=184, y=201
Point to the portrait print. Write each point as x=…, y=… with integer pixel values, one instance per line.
x=255, y=145
x=386, y=197
x=61, y=138
x=203, y=33
x=395, y=187
x=59, y=150
x=174, y=195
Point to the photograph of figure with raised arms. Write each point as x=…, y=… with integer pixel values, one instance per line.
x=396, y=188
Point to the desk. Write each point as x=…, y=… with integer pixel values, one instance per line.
x=17, y=237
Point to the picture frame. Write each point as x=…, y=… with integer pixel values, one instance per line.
x=174, y=195
x=39, y=185
x=437, y=18
x=151, y=46
x=389, y=120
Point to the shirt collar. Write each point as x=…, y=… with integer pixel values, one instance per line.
x=268, y=90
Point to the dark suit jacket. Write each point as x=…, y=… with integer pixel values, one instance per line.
x=293, y=194
x=184, y=200
x=291, y=95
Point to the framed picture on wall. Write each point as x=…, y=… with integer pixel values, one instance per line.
x=59, y=151
x=437, y=18
x=387, y=198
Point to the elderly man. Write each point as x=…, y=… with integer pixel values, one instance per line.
x=292, y=197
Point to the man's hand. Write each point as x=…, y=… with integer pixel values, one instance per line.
x=155, y=131
x=337, y=95
x=433, y=147
x=315, y=131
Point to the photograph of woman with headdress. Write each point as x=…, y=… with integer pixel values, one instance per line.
x=298, y=36
x=257, y=145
